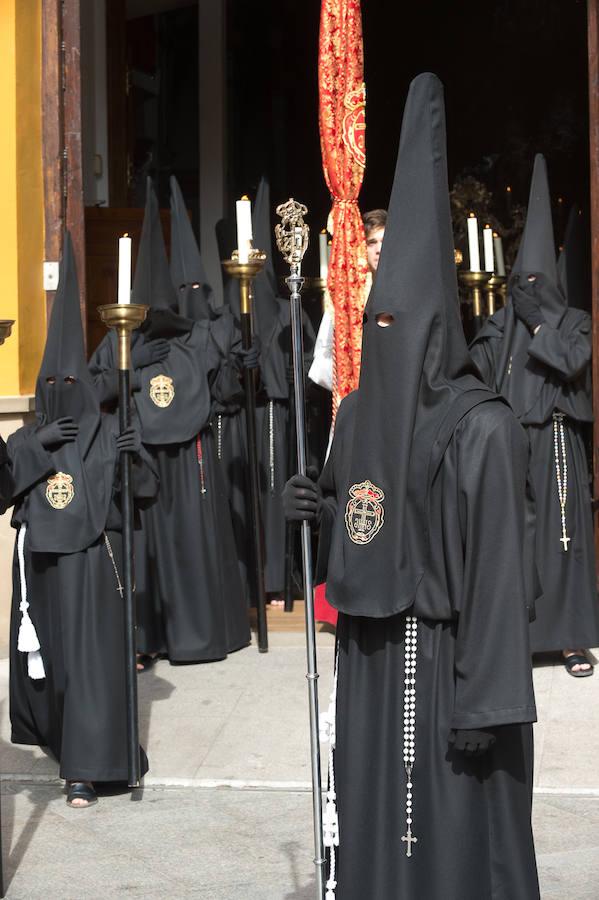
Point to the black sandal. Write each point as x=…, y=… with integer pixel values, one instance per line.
x=79, y=790
x=578, y=659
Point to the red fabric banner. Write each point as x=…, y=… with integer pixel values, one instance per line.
x=342, y=104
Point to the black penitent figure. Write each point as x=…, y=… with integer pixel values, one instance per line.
x=542, y=373
x=193, y=607
x=67, y=692
x=422, y=518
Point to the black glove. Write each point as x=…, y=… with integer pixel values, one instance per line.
x=54, y=434
x=302, y=497
x=472, y=741
x=250, y=358
x=526, y=303
x=129, y=441
x=147, y=352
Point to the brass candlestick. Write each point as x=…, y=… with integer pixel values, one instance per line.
x=124, y=317
x=245, y=272
x=474, y=283
x=494, y=289
x=5, y=329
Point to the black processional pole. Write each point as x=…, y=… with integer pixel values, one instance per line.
x=245, y=272
x=124, y=317
x=290, y=526
x=5, y=330
x=292, y=240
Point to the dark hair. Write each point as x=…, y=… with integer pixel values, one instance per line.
x=374, y=219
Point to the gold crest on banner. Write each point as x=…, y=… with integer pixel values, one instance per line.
x=364, y=513
x=60, y=490
x=162, y=391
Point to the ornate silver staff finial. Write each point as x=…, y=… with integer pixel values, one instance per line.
x=292, y=233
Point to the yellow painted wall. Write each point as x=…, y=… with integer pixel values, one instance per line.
x=21, y=188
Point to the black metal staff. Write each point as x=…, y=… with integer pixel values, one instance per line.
x=290, y=527
x=292, y=240
x=5, y=330
x=245, y=272
x=124, y=317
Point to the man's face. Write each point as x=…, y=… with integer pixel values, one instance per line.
x=374, y=242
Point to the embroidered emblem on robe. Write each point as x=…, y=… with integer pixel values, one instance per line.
x=162, y=390
x=60, y=490
x=364, y=513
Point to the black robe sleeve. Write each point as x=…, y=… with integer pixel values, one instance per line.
x=30, y=461
x=489, y=455
x=482, y=354
x=566, y=349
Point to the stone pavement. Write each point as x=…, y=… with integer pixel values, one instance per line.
x=226, y=812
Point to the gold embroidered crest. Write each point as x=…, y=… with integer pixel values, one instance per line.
x=162, y=390
x=60, y=490
x=364, y=513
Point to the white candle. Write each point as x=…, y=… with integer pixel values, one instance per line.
x=124, y=292
x=324, y=254
x=243, y=209
x=488, y=248
x=498, y=245
x=473, y=247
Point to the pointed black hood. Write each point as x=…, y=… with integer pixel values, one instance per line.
x=64, y=386
x=521, y=378
x=416, y=375
x=83, y=467
x=152, y=285
x=195, y=297
x=574, y=262
x=536, y=253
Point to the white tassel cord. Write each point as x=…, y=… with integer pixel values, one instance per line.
x=330, y=820
x=27, y=641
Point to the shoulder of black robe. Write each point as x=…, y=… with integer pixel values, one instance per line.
x=67, y=511
x=415, y=378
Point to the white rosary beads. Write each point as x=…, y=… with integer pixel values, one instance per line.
x=561, y=471
x=409, y=722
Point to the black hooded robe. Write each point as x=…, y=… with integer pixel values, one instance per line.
x=194, y=608
x=471, y=815
x=426, y=476
x=566, y=613
x=79, y=709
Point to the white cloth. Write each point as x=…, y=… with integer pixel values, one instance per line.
x=321, y=370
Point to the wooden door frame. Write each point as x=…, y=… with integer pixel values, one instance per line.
x=62, y=161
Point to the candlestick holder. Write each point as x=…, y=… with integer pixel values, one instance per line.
x=5, y=329
x=245, y=272
x=124, y=317
x=495, y=292
x=474, y=283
